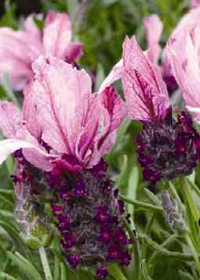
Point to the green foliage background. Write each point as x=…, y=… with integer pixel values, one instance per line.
x=101, y=25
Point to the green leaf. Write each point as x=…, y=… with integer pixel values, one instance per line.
x=25, y=266
x=116, y=272
x=6, y=276
x=17, y=240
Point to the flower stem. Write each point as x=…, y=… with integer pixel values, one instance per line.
x=140, y=203
x=45, y=263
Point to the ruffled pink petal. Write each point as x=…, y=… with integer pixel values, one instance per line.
x=114, y=75
x=56, y=34
x=10, y=119
x=154, y=27
x=145, y=91
x=58, y=90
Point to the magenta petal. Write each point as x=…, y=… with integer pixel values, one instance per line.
x=74, y=52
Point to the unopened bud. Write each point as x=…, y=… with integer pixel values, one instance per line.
x=173, y=213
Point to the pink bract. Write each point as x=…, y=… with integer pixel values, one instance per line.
x=61, y=111
x=145, y=91
x=19, y=49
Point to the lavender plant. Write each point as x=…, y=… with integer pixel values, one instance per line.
x=102, y=185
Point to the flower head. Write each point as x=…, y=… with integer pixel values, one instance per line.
x=30, y=43
x=63, y=125
x=167, y=147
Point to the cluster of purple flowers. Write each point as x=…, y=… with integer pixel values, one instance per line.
x=89, y=218
x=168, y=149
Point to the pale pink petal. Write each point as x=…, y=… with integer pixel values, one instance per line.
x=31, y=27
x=145, y=91
x=114, y=75
x=10, y=119
x=17, y=51
x=9, y=146
x=58, y=90
x=74, y=51
x=154, y=27
x=36, y=155
x=187, y=23
x=56, y=34
x=187, y=75
x=29, y=112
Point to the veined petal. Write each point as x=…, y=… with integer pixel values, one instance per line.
x=145, y=91
x=10, y=119
x=113, y=111
x=58, y=90
x=154, y=27
x=56, y=34
x=29, y=112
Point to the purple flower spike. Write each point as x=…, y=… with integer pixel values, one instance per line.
x=69, y=240
x=102, y=272
x=120, y=236
x=113, y=252
x=79, y=189
x=125, y=259
x=106, y=234
x=73, y=260
x=102, y=214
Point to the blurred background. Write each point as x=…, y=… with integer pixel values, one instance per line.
x=101, y=25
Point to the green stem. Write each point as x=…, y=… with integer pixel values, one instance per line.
x=165, y=244
x=140, y=203
x=195, y=255
x=152, y=197
x=194, y=186
x=63, y=272
x=45, y=263
x=115, y=272
x=189, y=200
x=176, y=255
